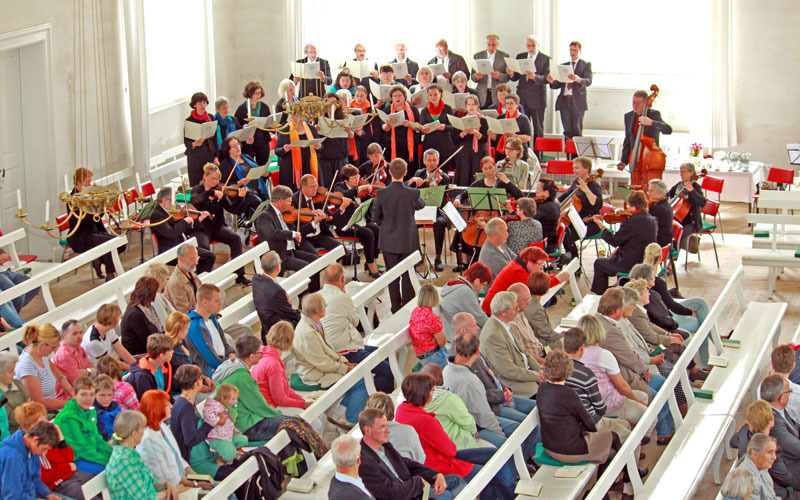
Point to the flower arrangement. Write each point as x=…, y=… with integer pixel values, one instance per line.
x=695, y=149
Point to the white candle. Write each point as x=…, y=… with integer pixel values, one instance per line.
x=19, y=199
x=47, y=212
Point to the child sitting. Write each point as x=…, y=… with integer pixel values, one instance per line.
x=220, y=411
x=107, y=409
x=19, y=462
x=124, y=394
x=78, y=424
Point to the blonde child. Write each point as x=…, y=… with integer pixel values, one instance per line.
x=124, y=394
x=224, y=438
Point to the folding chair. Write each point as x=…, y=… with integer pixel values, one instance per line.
x=714, y=184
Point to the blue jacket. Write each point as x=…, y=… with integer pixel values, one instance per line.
x=198, y=341
x=20, y=471
x=105, y=418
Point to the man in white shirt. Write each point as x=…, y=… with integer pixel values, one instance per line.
x=488, y=83
x=571, y=102
x=532, y=86
x=345, y=484
x=452, y=62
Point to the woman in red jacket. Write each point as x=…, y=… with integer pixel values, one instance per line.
x=440, y=451
x=59, y=472
x=519, y=270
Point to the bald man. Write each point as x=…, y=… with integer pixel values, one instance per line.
x=313, y=86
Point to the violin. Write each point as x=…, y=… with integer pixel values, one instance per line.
x=574, y=201
x=373, y=188
x=647, y=160
x=615, y=217
x=185, y=212
x=233, y=191
x=306, y=215
x=680, y=204
x=331, y=197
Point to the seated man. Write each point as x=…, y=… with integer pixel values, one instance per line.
x=510, y=363
x=254, y=417
x=430, y=158
x=345, y=483
x=521, y=327
x=389, y=475
x=783, y=363
x=272, y=302
x=78, y=424
x=317, y=232
x=403, y=437
x=340, y=322
x=294, y=250
x=536, y=314
x=100, y=339
x=319, y=366
x=206, y=340
x=173, y=232
x=154, y=370
x=630, y=239
x=494, y=252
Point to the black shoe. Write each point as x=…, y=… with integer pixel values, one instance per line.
x=459, y=269
x=375, y=275
x=643, y=471
x=437, y=265
x=98, y=269
x=242, y=280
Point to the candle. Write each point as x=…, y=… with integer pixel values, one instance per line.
x=19, y=200
x=47, y=212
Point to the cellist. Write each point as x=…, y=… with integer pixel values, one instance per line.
x=691, y=190
x=652, y=122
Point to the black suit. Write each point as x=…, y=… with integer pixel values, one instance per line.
x=573, y=108
x=692, y=223
x=270, y=229
x=630, y=240
x=406, y=484
x=485, y=93
x=172, y=233
x=413, y=69
x=272, y=304
x=787, y=434
x=314, y=85
x=655, y=130
x=662, y=211
x=325, y=237
x=455, y=63
x=367, y=234
x=533, y=93
x=213, y=228
x=340, y=490
x=393, y=210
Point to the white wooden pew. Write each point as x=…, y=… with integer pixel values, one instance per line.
x=782, y=202
x=773, y=258
x=570, y=269
x=224, y=275
x=84, y=307
x=708, y=423
x=98, y=485
x=43, y=280
x=8, y=243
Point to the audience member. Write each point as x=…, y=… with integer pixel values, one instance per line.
x=519, y=270
x=183, y=283
x=124, y=393
x=101, y=338
x=451, y=412
x=346, y=483
x=107, y=409
x=206, y=340
x=127, y=474
x=653, y=334
x=154, y=370
x=140, y=319
x=538, y=285
x=759, y=459
x=775, y=390
x=71, y=358
x=403, y=437
x=738, y=485
x=220, y=412
x=272, y=302
x=36, y=370
x=526, y=230
x=494, y=252
x=19, y=462
x=506, y=357
x=162, y=306
x=8, y=279
x=460, y=294
x=426, y=329
x=270, y=372
x=177, y=328
x=782, y=358
x=12, y=390
x=78, y=424
x=521, y=327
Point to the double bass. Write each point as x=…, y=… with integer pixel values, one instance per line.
x=647, y=160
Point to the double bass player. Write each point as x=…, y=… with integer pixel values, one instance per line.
x=653, y=126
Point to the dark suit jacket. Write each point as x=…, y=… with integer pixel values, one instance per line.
x=457, y=63
x=382, y=483
x=169, y=233
x=413, y=69
x=584, y=70
x=314, y=86
x=630, y=239
x=788, y=436
x=269, y=229
x=655, y=130
x=662, y=211
x=306, y=229
x=393, y=210
x=498, y=65
x=533, y=92
x=339, y=490
x=272, y=303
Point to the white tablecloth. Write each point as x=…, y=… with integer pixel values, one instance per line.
x=740, y=186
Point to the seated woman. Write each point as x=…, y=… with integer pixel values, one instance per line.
x=163, y=307
x=295, y=162
x=251, y=108
x=287, y=93
x=40, y=376
x=71, y=358
x=474, y=143
x=526, y=230
x=234, y=167
x=12, y=390
x=367, y=233
x=176, y=328
x=226, y=122
x=86, y=234
x=426, y=329
x=440, y=452
x=516, y=169
x=158, y=448
x=200, y=151
x=548, y=212
x=140, y=319
x=78, y=422
x=459, y=80
x=693, y=193
x=519, y=270
x=127, y=474
x=19, y=463
x=461, y=295
x=59, y=471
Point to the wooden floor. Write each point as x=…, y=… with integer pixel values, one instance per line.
x=701, y=279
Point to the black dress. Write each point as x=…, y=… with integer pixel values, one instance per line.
x=286, y=171
x=401, y=141
x=367, y=234
x=198, y=156
x=468, y=161
x=548, y=213
x=260, y=147
x=88, y=235
x=213, y=228
x=440, y=140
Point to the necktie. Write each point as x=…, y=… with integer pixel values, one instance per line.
x=572, y=63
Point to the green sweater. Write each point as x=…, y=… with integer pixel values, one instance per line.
x=456, y=420
x=252, y=407
x=79, y=428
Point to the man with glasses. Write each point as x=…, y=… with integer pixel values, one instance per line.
x=318, y=231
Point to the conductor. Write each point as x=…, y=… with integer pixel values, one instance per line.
x=393, y=210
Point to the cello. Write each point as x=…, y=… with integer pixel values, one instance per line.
x=647, y=160
x=574, y=201
x=680, y=204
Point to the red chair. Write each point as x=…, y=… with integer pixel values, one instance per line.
x=570, y=148
x=548, y=145
x=148, y=189
x=779, y=176
x=714, y=184
x=677, y=234
x=560, y=167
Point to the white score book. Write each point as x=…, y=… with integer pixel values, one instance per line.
x=197, y=131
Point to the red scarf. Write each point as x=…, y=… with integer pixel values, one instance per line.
x=202, y=118
x=435, y=112
x=501, y=142
x=410, y=132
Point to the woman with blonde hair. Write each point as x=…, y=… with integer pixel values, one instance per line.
x=176, y=327
x=40, y=376
x=287, y=92
x=160, y=272
x=426, y=328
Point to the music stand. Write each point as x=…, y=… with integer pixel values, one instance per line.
x=794, y=154
x=593, y=147
x=432, y=196
x=481, y=198
x=359, y=214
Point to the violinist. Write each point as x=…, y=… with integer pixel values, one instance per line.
x=367, y=232
x=474, y=140
x=375, y=169
x=548, y=212
x=653, y=125
x=423, y=178
x=294, y=250
x=402, y=139
x=232, y=160
x=661, y=210
x=526, y=230
x=174, y=231
x=630, y=241
x=591, y=197
x=208, y=197
x=335, y=150
x=294, y=162
x=318, y=231
x=691, y=190
x=441, y=138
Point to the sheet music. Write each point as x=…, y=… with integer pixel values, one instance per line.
x=460, y=100
x=356, y=121
x=452, y=213
x=483, y=66
x=400, y=70
x=490, y=113
x=360, y=69
x=520, y=65
x=564, y=70
x=449, y=98
x=437, y=69
x=331, y=130
x=380, y=91
x=422, y=94
x=465, y=122
x=243, y=134
x=431, y=126
x=510, y=125
x=425, y=214
x=197, y=131
x=495, y=125
x=307, y=143
x=306, y=71
x=257, y=172
x=394, y=119
x=577, y=222
x=265, y=121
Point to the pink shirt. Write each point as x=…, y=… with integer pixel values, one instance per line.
x=71, y=360
x=270, y=374
x=422, y=326
x=225, y=432
x=125, y=395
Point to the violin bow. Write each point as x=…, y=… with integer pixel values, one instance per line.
x=327, y=197
x=443, y=164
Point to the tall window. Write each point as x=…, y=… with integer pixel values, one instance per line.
x=175, y=38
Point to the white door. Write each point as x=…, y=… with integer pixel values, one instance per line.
x=12, y=160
